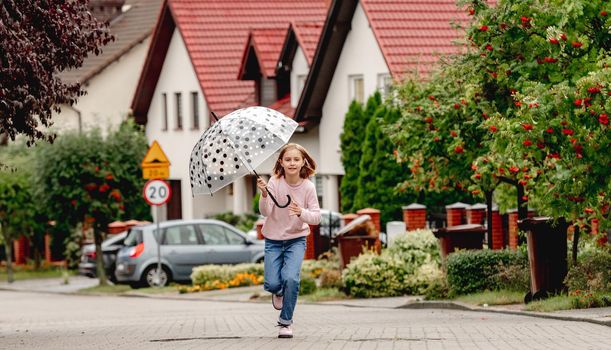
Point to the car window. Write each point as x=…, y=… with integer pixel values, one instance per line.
x=180, y=235
x=233, y=238
x=133, y=238
x=213, y=234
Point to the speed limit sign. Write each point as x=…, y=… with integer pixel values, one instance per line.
x=157, y=192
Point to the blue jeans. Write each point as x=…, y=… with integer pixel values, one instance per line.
x=282, y=268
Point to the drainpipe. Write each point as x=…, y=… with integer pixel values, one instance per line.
x=80, y=119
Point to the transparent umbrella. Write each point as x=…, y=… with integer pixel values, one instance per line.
x=235, y=145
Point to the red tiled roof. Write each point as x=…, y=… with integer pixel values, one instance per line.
x=267, y=43
x=412, y=34
x=307, y=34
x=215, y=34
x=283, y=106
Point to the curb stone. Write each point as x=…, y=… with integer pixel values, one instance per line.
x=452, y=305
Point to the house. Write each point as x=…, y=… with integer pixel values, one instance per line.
x=365, y=46
x=110, y=78
x=193, y=67
x=307, y=59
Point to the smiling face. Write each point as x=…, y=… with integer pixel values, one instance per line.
x=292, y=161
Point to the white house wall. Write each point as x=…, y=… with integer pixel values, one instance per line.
x=109, y=95
x=178, y=75
x=360, y=55
x=300, y=67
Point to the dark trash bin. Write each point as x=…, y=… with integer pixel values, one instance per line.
x=546, y=242
x=470, y=236
x=358, y=234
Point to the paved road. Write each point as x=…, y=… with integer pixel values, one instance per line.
x=55, y=321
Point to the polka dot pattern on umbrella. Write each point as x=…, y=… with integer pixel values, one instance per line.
x=236, y=144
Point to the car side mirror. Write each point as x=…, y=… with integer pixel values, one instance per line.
x=247, y=241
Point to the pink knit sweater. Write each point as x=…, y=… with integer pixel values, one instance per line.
x=278, y=224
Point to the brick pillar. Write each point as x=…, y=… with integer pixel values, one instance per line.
x=455, y=214
x=414, y=216
x=19, y=250
x=48, y=257
x=310, y=252
x=259, y=225
x=349, y=217
x=513, y=228
x=375, y=216
x=497, y=230
x=476, y=213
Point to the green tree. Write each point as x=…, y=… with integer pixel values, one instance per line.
x=16, y=206
x=379, y=170
x=355, y=123
x=84, y=178
x=543, y=70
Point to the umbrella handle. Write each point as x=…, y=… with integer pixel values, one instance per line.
x=276, y=202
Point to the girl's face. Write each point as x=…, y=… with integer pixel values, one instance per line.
x=292, y=161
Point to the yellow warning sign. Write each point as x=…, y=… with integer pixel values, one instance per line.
x=155, y=164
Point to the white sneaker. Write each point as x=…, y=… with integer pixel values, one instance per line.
x=286, y=331
x=277, y=301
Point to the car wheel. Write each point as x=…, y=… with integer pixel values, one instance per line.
x=149, y=277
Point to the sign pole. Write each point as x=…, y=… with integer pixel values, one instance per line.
x=158, y=282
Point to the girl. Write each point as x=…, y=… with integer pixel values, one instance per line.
x=285, y=229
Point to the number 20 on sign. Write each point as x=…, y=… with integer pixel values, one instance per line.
x=157, y=192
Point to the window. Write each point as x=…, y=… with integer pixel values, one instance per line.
x=220, y=235
x=213, y=234
x=178, y=96
x=195, y=110
x=164, y=110
x=384, y=84
x=180, y=235
x=357, y=88
x=233, y=238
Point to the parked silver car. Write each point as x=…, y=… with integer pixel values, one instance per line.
x=184, y=245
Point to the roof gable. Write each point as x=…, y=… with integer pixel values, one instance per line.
x=265, y=45
x=410, y=34
x=215, y=34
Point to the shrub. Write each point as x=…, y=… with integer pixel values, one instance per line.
x=223, y=273
x=331, y=279
x=307, y=285
x=408, y=267
x=513, y=276
x=437, y=289
x=475, y=270
x=592, y=272
x=584, y=300
x=243, y=222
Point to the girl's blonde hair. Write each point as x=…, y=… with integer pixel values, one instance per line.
x=309, y=167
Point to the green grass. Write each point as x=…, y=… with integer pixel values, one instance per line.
x=324, y=294
x=21, y=273
x=498, y=297
x=559, y=302
x=109, y=289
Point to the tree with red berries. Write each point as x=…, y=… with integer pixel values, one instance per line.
x=86, y=179
x=543, y=69
x=39, y=40
x=500, y=111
